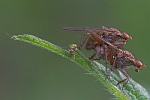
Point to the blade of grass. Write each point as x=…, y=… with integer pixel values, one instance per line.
x=133, y=90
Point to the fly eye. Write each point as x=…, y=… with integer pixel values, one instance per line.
x=126, y=36
x=139, y=63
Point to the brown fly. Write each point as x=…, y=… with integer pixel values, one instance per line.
x=111, y=35
x=122, y=59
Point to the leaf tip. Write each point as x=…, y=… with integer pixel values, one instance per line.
x=14, y=37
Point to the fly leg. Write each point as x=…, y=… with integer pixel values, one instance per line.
x=97, y=52
x=84, y=38
x=112, y=68
x=93, y=57
x=105, y=53
x=125, y=80
x=106, y=57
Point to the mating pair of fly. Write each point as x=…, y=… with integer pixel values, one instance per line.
x=107, y=44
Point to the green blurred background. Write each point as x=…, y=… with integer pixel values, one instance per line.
x=30, y=73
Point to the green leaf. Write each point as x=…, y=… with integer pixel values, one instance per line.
x=133, y=90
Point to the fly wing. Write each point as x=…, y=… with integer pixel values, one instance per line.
x=86, y=29
x=75, y=28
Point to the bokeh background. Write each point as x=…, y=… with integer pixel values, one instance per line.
x=30, y=73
